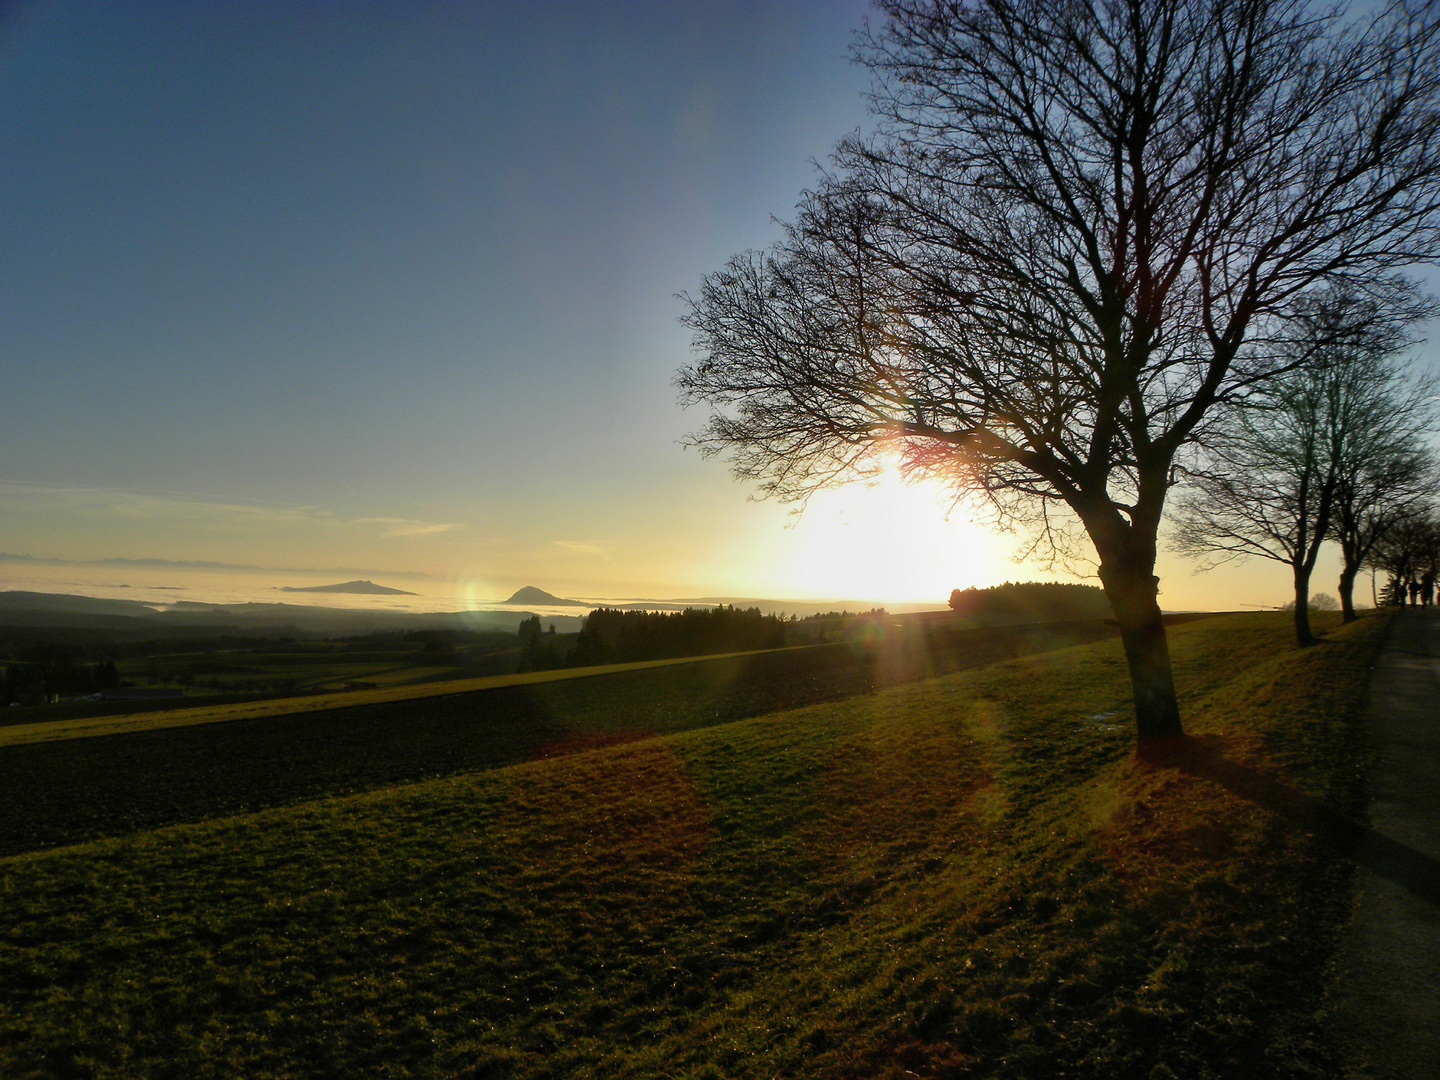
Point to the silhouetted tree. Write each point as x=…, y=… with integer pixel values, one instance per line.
x=1407, y=549
x=1030, y=601
x=1396, y=472
x=1273, y=473
x=1368, y=506
x=539, y=652
x=610, y=635
x=1068, y=240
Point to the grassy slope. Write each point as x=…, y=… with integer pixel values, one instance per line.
x=967, y=874
x=69, y=791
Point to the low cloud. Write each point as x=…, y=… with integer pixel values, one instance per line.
x=408, y=527
x=192, y=512
x=580, y=547
x=161, y=506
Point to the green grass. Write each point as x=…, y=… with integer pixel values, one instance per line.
x=966, y=876
x=72, y=789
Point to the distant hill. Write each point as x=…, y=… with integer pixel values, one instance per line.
x=540, y=598
x=65, y=603
x=33, y=609
x=137, y=620
x=368, y=588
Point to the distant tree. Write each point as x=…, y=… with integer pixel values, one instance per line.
x=529, y=630
x=1372, y=500
x=1271, y=475
x=611, y=635
x=539, y=652
x=1388, y=467
x=1030, y=601
x=1407, y=549
x=1318, y=602
x=1068, y=241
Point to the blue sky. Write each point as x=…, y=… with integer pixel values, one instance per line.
x=392, y=285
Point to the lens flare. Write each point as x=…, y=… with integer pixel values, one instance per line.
x=475, y=592
x=890, y=540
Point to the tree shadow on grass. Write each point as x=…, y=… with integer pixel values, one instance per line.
x=1413, y=870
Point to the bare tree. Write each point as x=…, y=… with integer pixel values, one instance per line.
x=1407, y=549
x=1388, y=472
x=1275, y=473
x=1370, y=502
x=1267, y=490
x=1059, y=250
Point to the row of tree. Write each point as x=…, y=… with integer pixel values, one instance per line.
x=1408, y=553
x=1079, y=238
x=41, y=680
x=1030, y=601
x=1333, y=449
x=612, y=636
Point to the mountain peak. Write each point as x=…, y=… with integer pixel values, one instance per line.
x=368, y=588
x=540, y=598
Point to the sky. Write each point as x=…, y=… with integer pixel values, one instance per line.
x=391, y=289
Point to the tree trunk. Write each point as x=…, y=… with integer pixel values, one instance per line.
x=1303, y=636
x=1347, y=593
x=1131, y=590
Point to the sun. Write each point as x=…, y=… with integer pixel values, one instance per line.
x=891, y=541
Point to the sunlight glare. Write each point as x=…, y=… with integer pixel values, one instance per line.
x=476, y=592
x=892, y=541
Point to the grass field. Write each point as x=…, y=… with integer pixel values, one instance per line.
x=71, y=780
x=966, y=875
x=230, y=674
x=223, y=711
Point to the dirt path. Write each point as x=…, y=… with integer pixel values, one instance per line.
x=1387, y=984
